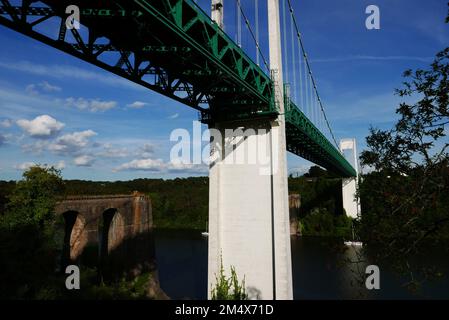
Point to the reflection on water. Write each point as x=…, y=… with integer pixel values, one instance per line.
x=321, y=269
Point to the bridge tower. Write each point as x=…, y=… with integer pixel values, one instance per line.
x=248, y=200
x=217, y=13
x=349, y=185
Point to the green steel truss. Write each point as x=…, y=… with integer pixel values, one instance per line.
x=169, y=46
x=173, y=48
x=305, y=140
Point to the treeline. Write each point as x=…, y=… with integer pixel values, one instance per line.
x=321, y=212
x=183, y=202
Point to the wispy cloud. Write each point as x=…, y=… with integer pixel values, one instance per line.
x=174, y=116
x=137, y=105
x=92, y=105
x=72, y=143
x=66, y=72
x=372, y=58
x=26, y=165
x=84, y=161
x=6, y=123
x=158, y=165
x=109, y=151
x=42, y=87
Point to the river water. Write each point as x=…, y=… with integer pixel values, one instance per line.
x=320, y=270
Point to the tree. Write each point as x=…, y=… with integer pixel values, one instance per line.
x=27, y=248
x=404, y=200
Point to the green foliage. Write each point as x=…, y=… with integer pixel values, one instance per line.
x=321, y=212
x=122, y=289
x=183, y=203
x=27, y=246
x=229, y=288
x=320, y=222
x=405, y=199
x=34, y=197
x=177, y=203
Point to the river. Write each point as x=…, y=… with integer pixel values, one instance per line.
x=318, y=266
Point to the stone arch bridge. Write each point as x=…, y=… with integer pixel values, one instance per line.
x=112, y=230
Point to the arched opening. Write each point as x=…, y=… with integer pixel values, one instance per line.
x=74, y=237
x=105, y=231
x=111, y=233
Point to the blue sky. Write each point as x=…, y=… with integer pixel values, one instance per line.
x=58, y=110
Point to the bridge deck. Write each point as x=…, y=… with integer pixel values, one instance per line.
x=174, y=48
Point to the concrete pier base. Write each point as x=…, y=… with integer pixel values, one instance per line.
x=248, y=210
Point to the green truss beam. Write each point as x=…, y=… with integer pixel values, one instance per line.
x=306, y=140
x=173, y=48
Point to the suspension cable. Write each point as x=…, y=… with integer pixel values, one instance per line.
x=285, y=53
x=239, y=25
x=252, y=35
x=293, y=58
x=298, y=34
x=301, y=92
x=256, y=14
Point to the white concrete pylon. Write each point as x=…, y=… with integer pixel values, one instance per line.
x=217, y=13
x=349, y=185
x=249, y=225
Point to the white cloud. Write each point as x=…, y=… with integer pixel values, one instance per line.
x=174, y=116
x=43, y=126
x=137, y=105
x=2, y=139
x=72, y=142
x=31, y=89
x=7, y=123
x=143, y=164
x=36, y=147
x=110, y=151
x=84, y=161
x=43, y=86
x=60, y=165
x=187, y=168
x=92, y=105
x=146, y=151
x=158, y=165
x=26, y=165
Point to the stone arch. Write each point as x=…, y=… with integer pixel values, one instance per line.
x=111, y=231
x=75, y=236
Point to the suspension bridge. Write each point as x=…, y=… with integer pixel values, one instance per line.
x=175, y=48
